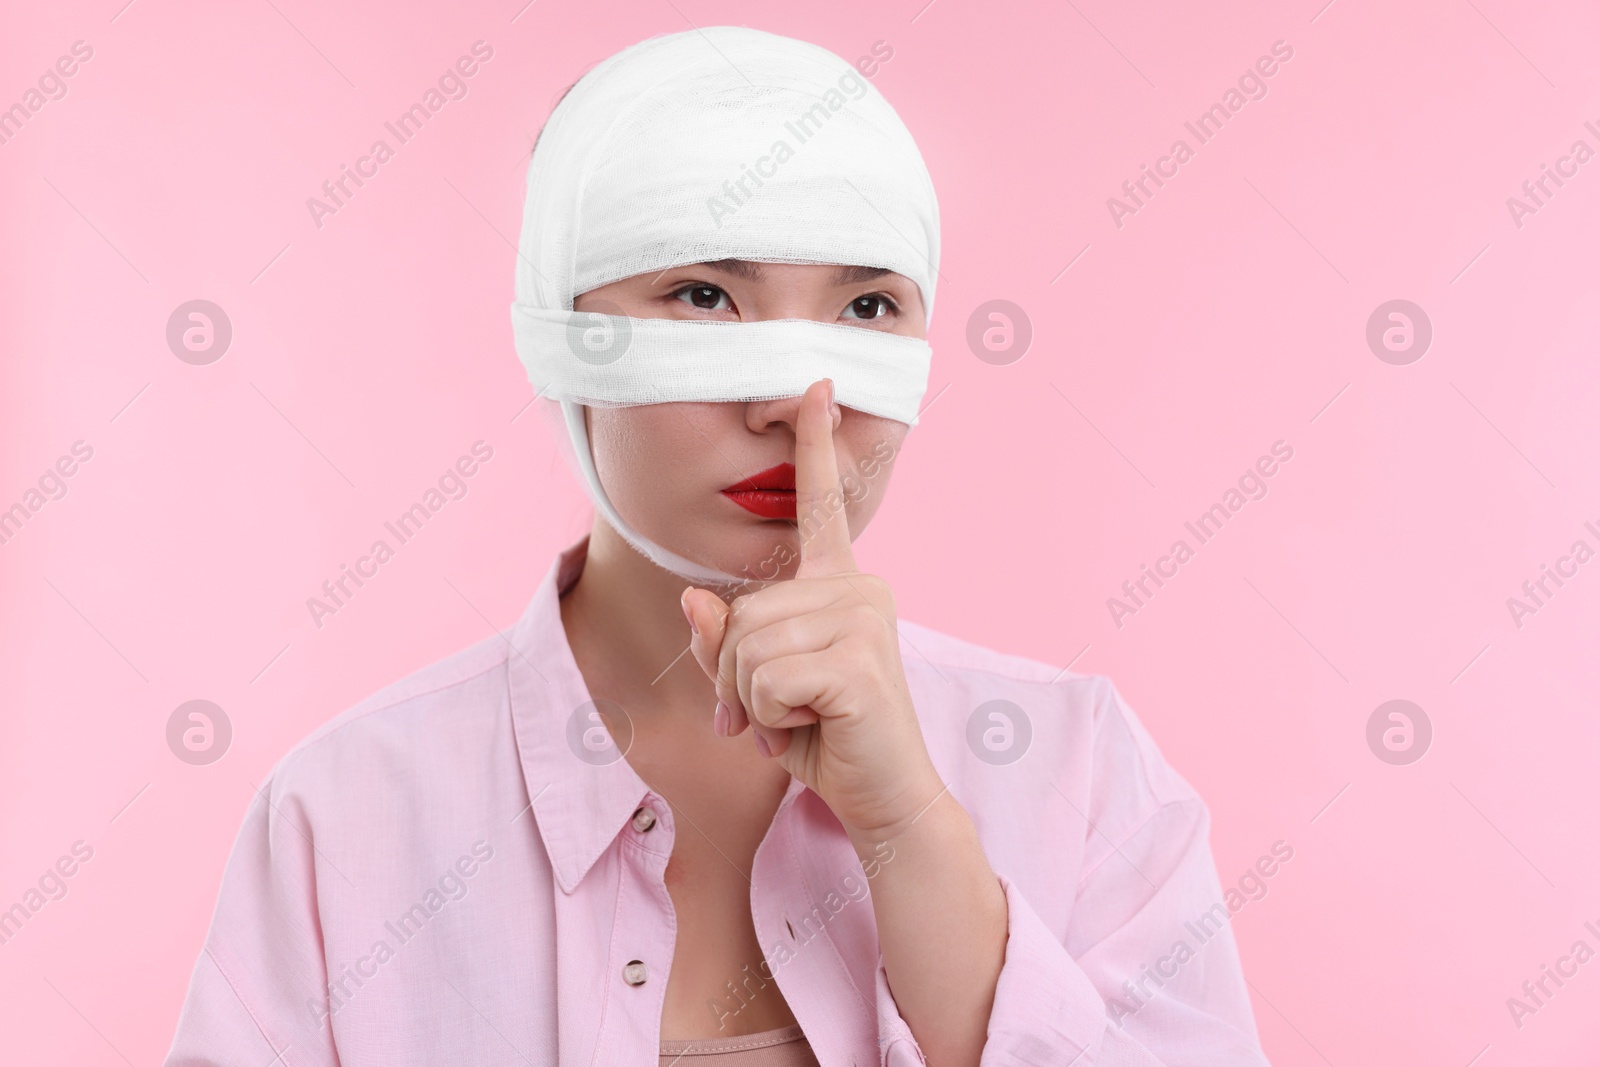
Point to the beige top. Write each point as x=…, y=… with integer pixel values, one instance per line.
x=784, y=1047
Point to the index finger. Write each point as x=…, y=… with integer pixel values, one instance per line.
x=819, y=503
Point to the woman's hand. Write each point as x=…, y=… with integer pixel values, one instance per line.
x=812, y=665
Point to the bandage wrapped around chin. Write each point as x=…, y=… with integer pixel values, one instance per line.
x=721, y=143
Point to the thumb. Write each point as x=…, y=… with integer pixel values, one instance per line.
x=708, y=618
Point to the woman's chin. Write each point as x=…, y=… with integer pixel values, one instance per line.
x=752, y=552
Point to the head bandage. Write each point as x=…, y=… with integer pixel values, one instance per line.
x=722, y=143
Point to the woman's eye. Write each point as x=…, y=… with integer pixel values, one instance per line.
x=704, y=297
x=870, y=307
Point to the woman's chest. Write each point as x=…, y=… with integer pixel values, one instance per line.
x=720, y=983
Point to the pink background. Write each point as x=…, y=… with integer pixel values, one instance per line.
x=1227, y=314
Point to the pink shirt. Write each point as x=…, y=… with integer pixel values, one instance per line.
x=459, y=870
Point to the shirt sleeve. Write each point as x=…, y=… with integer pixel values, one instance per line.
x=1148, y=973
x=258, y=993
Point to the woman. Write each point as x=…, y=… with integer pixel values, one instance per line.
x=710, y=800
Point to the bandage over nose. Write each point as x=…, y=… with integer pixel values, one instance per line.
x=722, y=143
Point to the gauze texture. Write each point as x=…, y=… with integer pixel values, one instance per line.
x=712, y=144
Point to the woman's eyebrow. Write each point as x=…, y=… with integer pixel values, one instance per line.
x=751, y=271
x=853, y=275
x=747, y=269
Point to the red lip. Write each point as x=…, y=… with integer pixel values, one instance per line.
x=768, y=493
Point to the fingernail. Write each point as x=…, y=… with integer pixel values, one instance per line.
x=762, y=746
x=833, y=406
x=684, y=604
x=719, y=721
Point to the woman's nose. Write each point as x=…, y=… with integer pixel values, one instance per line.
x=762, y=415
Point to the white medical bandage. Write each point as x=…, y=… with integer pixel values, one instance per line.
x=593, y=358
x=722, y=143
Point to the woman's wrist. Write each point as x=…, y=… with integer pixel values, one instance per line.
x=928, y=801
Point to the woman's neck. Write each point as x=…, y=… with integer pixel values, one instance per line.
x=625, y=623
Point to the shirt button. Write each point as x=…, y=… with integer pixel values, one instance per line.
x=634, y=972
x=643, y=819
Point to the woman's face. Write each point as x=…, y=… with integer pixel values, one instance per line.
x=666, y=466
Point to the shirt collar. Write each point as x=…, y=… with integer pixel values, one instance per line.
x=580, y=798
